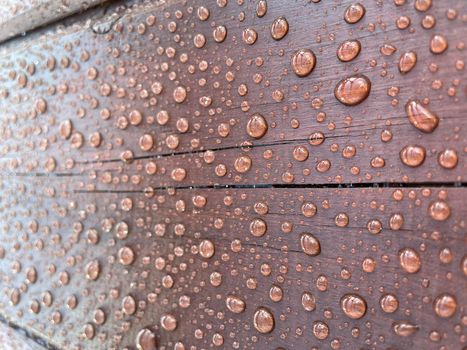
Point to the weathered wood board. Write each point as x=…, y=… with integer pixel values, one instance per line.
x=171, y=179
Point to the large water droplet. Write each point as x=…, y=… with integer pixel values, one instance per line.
x=407, y=62
x=354, y=13
x=412, y=156
x=420, y=117
x=303, y=62
x=445, y=305
x=310, y=244
x=146, y=340
x=353, y=305
x=235, y=304
x=353, y=90
x=263, y=320
x=256, y=126
x=409, y=260
x=348, y=50
x=279, y=28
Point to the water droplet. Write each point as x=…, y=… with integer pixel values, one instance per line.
x=420, y=117
x=422, y=5
x=206, y=249
x=203, y=13
x=279, y=28
x=438, y=44
x=256, y=126
x=303, y=62
x=407, y=62
x=348, y=50
x=409, y=260
x=412, y=156
x=353, y=305
x=308, y=301
x=448, y=159
x=242, y=164
x=168, y=322
x=219, y=34
x=352, y=90
x=404, y=328
x=179, y=94
x=249, y=36
x=93, y=270
x=389, y=303
x=445, y=305
x=263, y=320
x=320, y=330
x=258, y=227
x=341, y=220
x=439, y=210
x=261, y=8
x=128, y=305
x=310, y=244
x=126, y=256
x=235, y=304
x=354, y=13
x=146, y=340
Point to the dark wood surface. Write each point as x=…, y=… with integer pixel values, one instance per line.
x=61, y=205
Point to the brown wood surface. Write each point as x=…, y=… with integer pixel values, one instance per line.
x=194, y=211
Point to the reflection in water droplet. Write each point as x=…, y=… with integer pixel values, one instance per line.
x=422, y=5
x=242, y=164
x=128, y=305
x=261, y=8
x=219, y=33
x=258, y=227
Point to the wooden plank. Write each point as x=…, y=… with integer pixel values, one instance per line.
x=19, y=17
x=120, y=228
x=91, y=64
x=160, y=234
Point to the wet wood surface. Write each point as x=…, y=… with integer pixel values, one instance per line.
x=20, y=17
x=163, y=186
